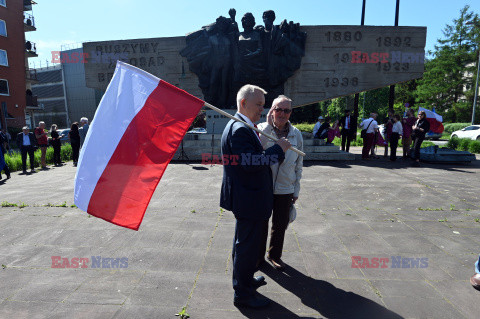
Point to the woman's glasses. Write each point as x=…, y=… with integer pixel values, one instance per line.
x=286, y=111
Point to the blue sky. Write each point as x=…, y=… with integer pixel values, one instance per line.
x=61, y=22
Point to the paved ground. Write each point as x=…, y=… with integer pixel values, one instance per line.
x=181, y=255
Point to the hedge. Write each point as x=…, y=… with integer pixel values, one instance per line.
x=14, y=159
x=464, y=144
x=452, y=127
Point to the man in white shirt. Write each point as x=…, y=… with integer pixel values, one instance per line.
x=371, y=126
x=397, y=131
x=317, y=125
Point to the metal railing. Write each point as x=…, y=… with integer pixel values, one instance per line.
x=30, y=47
x=29, y=19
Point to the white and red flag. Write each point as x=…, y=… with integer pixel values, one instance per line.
x=137, y=128
x=435, y=120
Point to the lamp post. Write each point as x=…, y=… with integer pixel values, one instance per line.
x=474, y=22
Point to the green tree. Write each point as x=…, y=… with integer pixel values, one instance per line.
x=447, y=83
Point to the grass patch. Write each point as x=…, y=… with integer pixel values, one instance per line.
x=430, y=209
x=7, y=204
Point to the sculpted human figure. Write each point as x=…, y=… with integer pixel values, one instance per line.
x=249, y=68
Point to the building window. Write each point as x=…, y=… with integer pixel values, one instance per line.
x=4, y=87
x=3, y=58
x=3, y=28
x=3, y=3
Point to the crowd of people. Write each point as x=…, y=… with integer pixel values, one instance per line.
x=410, y=129
x=27, y=142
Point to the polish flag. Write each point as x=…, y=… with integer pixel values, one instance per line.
x=435, y=120
x=137, y=128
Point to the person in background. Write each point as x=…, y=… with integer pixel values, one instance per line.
x=420, y=128
x=347, y=130
x=26, y=141
x=6, y=138
x=286, y=178
x=83, y=130
x=322, y=132
x=317, y=125
x=42, y=141
x=475, y=279
x=56, y=145
x=388, y=130
x=3, y=151
x=332, y=132
x=408, y=123
x=371, y=126
x=397, y=131
x=74, y=137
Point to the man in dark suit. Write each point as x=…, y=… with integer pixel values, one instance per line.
x=247, y=191
x=26, y=141
x=347, y=124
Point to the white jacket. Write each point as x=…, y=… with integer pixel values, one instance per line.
x=287, y=179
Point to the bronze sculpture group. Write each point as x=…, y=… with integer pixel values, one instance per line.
x=225, y=59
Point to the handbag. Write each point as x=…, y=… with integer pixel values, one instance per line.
x=293, y=213
x=363, y=133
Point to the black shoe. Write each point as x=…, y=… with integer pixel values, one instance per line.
x=252, y=302
x=258, y=282
x=24, y=172
x=8, y=177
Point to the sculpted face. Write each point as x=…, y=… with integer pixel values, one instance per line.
x=252, y=107
x=281, y=113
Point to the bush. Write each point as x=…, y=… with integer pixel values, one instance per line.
x=14, y=160
x=474, y=147
x=463, y=144
x=305, y=127
x=453, y=143
x=452, y=127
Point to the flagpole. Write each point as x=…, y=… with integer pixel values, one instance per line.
x=216, y=109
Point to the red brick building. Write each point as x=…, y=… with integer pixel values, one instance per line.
x=15, y=78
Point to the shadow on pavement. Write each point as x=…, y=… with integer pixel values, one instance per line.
x=320, y=296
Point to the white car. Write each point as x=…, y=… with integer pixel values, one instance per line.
x=472, y=132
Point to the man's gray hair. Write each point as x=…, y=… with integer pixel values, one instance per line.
x=84, y=119
x=246, y=92
x=25, y=128
x=281, y=98
x=40, y=123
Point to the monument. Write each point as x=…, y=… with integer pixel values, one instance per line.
x=307, y=63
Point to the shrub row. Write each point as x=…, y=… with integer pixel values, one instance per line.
x=452, y=127
x=14, y=159
x=464, y=144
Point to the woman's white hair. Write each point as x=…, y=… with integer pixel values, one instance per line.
x=246, y=92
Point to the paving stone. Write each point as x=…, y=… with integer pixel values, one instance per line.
x=358, y=212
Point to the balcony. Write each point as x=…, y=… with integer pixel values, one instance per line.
x=32, y=102
x=31, y=75
x=27, y=5
x=28, y=22
x=30, y=49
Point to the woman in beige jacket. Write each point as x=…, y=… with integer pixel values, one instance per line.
x=286, y=177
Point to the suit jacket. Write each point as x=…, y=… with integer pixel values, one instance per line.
x=425, y=125
x=247, y=187
x=353, y=122
x=33, y=140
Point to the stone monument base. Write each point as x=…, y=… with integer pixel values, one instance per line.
x=194, y=145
